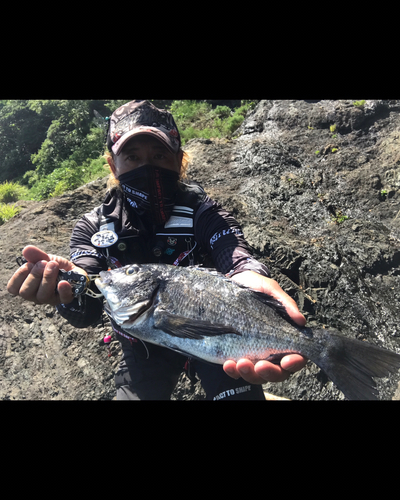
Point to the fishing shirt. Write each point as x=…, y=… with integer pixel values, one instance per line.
x=199, y=232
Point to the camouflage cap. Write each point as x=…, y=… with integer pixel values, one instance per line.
x=142, y=117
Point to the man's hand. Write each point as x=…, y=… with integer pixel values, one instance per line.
x=264, y=371
x=36, y=280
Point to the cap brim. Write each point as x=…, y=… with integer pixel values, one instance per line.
x=118, y=146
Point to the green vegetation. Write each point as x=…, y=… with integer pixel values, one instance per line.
x=48, y=147
x=339, y=217
x=359, y=103
x=67, y=177
x=198, y=119
x=7, y=212
x=12, y=191
x=332, y=128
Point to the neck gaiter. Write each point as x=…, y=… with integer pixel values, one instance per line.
x=150, y=192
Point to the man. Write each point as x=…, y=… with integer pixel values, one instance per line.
x=153, y=216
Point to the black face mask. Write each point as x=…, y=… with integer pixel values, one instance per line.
x=150, y=192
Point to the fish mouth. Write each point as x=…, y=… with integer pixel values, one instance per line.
x=126, y=315
x=109, y=295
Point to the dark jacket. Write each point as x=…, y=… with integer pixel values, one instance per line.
x=199, y=231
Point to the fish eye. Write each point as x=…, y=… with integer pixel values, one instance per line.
x=132, y=270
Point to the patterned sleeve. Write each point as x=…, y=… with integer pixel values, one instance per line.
x=85, y=256
x=220, y=234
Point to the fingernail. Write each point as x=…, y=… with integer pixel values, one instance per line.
x=232, y=374
x=245, y=370
x=52, y=265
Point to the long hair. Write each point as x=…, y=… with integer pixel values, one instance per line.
x=113, y=182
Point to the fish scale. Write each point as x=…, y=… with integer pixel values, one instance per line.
x=202, y=314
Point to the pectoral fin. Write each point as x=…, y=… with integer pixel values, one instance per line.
x=179, y=326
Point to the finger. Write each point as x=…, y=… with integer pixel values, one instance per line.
x=295, y=314
x=269, y=372
x=230, y=369
x=293, y=362
x=46, y=293
x=271, y=287
x=34, y=254
x=65, y=293
x=18, y=278
x=290, y=305
x=264, y=371
x=260, y=373
x=247, y=371
x=31, y=284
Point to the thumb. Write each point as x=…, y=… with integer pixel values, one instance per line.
x=289, y=304
x=65, y=292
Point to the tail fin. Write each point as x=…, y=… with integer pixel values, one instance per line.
x=351, y=364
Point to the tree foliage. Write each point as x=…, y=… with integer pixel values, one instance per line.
x=71, y=133
x=40, y=134
x=22, y=132
x=50, y=146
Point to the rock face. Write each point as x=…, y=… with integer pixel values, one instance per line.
x=314, y=185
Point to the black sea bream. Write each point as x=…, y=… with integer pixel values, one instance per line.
x=203, y=314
